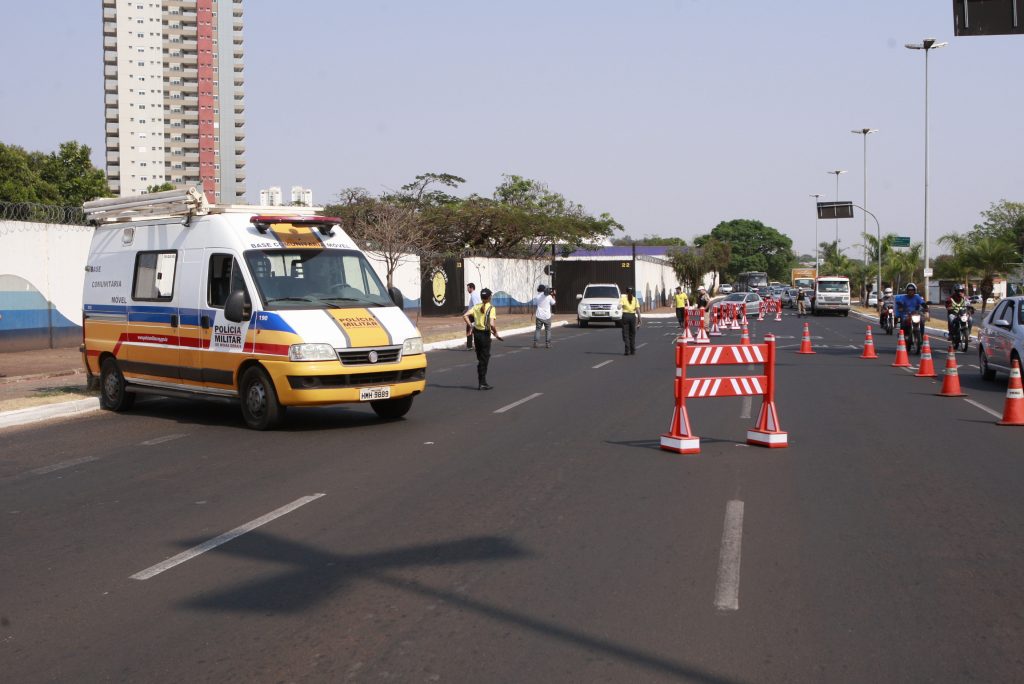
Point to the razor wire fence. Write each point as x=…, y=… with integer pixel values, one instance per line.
x=42, y=213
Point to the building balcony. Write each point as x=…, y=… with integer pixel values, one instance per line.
x=110, y=57
x=110, y=71
x=113, y=170
x=111, y=130
x=110, y=99
x=239, y=149
x=110, y=28
x=110, y=42
x=239, y=121
x=113, y=158
x=111, y=114
x=113, y=142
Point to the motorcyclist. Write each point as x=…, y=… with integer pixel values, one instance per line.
x=910, y=302
x=955, y=304
x=887, y=298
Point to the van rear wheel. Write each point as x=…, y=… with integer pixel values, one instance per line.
x=113, y=393
x=260, y=406
x=391, y=409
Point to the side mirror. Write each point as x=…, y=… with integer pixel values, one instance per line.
x=396, y=297
x=235, y=308
x=1002, y=323
x=579, y=297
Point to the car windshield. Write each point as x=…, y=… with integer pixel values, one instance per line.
x=315, y=278
x=833, y=286
x=735, y=297
x=606, y=291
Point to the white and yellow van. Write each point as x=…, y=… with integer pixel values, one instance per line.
x=274, y=306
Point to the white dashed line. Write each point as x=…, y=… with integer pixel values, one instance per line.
x=745, y=413
x=727, y=591
x=984, y=408
x=61, y=466
x=222, y=539
x=161, y=440
x=517, y=403
x=603, y=363
x=642, y=344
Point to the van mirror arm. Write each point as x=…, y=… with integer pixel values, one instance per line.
x=235, y=307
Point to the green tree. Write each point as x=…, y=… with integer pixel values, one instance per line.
x=1003, y=220
x=71, y=173
x=754, y=247
x=649, y=241
x=991, y=256
x=20, y=180
x=162, y=187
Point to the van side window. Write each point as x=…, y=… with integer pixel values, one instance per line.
x=225, y=277
x=154, y=276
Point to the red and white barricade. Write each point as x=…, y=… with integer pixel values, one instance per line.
x=702, y=333
x=766, y=432
x=734, y=317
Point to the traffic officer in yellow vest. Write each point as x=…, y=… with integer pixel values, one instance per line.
x=682, y=301
x=630, y=320
x=482, y=318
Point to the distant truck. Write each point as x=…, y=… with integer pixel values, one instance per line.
x=831, y=294
x=804, y=277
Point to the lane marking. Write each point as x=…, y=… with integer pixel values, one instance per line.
x=984, y=408
x=603, y=363
x=517, y=403
x=642, y=344
x=727, y=591
x=161, y=440
x=61, y=466
x=155, y=570
x=745, y=413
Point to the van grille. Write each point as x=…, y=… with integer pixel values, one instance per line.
x=357, y=357
x=301, y=382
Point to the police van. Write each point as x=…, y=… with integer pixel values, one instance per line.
x=273, y=306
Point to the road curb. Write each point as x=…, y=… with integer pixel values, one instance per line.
x=457, y=342
x=35, y=414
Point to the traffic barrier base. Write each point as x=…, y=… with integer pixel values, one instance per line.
x=766, y=432
x=1013, y=408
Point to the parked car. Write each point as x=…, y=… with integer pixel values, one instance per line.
x=873, y=299
x=1002, y=338
x=750, y=300
x=599, y=303
x=975, y=299
x=788, y=297
x=725, y=288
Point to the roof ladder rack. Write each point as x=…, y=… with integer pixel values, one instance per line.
x=186, y=202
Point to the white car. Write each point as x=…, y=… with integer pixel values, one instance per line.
x=873, y=299
x=599, y=303
x=1001, y=339
x=750, y=300
x=725, y=288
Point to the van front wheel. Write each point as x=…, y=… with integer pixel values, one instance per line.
x=260, y=407
x=392, y=409
x=113, y=395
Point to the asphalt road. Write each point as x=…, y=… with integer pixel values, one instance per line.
x=534, y=533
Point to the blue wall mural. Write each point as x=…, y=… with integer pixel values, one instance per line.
x=29, y=321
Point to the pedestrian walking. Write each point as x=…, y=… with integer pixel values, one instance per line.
x=681, y=302
x=474, y=299
x=481, y=318
x=542, y=303
x=630, y=321
x=801, y=303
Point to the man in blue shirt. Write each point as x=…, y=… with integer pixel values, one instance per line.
x=910, y=302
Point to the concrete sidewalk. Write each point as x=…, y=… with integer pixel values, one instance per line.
x=45, y=383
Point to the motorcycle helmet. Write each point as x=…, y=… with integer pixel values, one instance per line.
x=887, y=291
x=911, y=286
x=958, y=288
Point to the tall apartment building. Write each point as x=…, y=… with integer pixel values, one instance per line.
x=271, y=197
x=302, y=196
x=175, y=109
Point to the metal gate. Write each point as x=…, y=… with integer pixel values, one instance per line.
x=442, y=291
x=572, y=277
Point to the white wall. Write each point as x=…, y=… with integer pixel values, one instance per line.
x=406, y=277
x=51, y=258
x=513, y=281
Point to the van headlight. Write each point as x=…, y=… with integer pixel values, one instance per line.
x=413, y=345
x=312, y=352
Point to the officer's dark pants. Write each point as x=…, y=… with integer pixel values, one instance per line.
x=629, y=332
x=482, y=344
x=681, y=316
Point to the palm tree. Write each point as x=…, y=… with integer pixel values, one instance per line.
x=991, y=256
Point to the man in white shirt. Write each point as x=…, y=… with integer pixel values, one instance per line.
x=542, y=312
x=474, y=299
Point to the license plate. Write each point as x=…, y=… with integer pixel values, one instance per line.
x=601, y=313
x=374, y=393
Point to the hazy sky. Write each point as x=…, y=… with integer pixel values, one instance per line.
x=670, y=115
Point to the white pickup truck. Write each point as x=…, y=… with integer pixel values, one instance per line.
x=599, y=303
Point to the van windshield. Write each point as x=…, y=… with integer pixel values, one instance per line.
x=315, y=278
x=833, y=286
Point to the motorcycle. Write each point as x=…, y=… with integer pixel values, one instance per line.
x=913, y=330
x=887, y=319
x=960, y=329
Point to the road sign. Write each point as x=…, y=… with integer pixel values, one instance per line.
x=899, y=242
x=987, y=17
x=928, y=273
x=835, y=210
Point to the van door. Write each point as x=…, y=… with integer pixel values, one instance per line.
x=151, y=349
x=190, y=338
x=224, y=342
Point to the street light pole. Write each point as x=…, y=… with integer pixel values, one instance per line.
x=928, y=44
x=816, y=196
x=837, y=172
x=865, y=132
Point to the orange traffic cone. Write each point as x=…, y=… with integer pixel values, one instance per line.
x=743, y=321
x=778, y=312
x=869, y=346
x=760, y=310
x=1013, y=409
x=702, y=333
x=687, y=336
x=902, y=359
x=951, y=377
x=745, y=337
x=715, y=332
x=805, y=341
x=925, y=369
